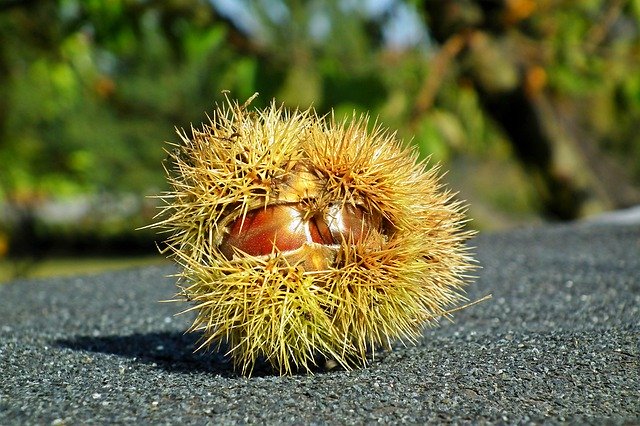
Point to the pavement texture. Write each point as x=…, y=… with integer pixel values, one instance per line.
x=558, y=342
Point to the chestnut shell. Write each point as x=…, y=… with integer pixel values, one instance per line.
x=288, y=227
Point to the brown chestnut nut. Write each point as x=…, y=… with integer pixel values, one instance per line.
x=287, y=227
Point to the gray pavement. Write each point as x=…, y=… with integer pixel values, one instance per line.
x=559, y=341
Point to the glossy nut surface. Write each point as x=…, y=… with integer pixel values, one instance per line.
x=283, y=227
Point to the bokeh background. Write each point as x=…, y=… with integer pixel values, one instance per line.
x=533, y=107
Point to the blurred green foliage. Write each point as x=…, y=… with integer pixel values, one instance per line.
x=90, y=90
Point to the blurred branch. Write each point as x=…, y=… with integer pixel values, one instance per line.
x=598, y=32
x=438, y=69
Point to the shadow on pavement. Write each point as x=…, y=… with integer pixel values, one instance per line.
x=170, y=351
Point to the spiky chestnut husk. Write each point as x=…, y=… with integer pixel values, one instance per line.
x=302, y=238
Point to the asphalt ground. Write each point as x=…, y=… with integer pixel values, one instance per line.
x=558, y=342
